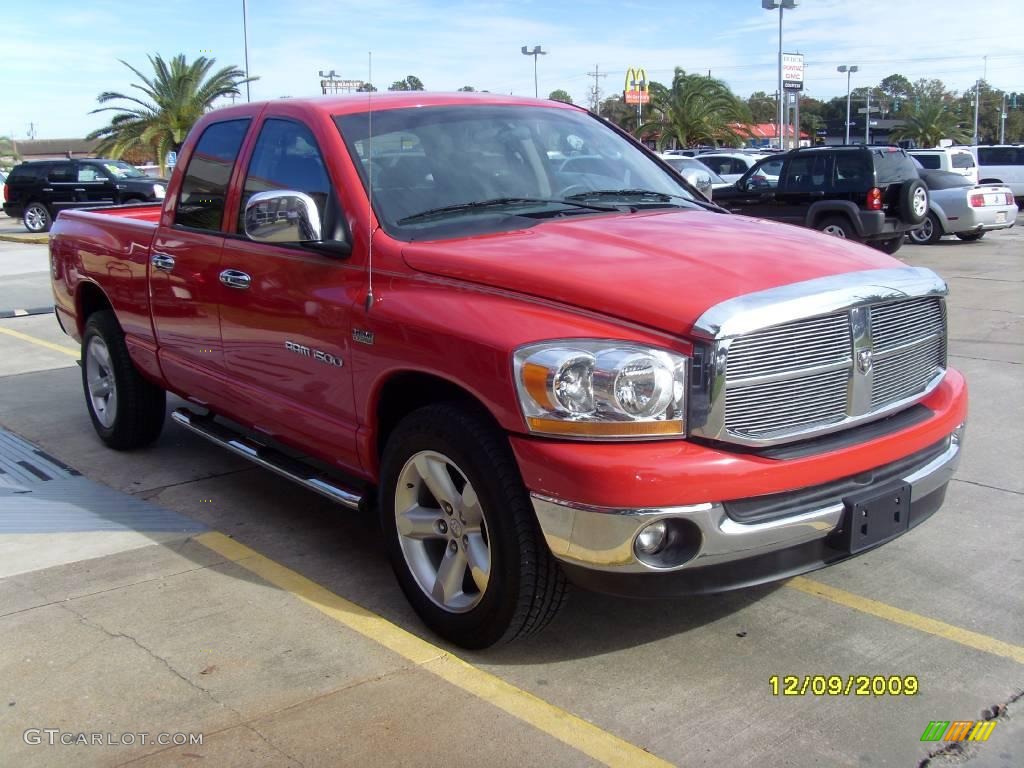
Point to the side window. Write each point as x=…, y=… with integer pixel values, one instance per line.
x=91, y=173
x=60, y=172
x=806, y=173
x=963, y=160
x=932, y=162
x=205, y=186
x=286, y=156
x=852, y=173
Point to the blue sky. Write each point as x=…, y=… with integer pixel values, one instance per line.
x=57, y=58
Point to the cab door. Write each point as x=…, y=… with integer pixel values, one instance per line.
x=95, y=183
x=61, y=189
x=185, y=264
x=286, y=310
x=805, y=180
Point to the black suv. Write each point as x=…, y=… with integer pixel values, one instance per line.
x=864, y=193
x=37, y=191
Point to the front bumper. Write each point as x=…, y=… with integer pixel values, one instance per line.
x=596, y=545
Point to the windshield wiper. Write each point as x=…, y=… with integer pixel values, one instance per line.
x=603, y=193
x=499, y=202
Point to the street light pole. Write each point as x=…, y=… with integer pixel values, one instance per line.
x=849, y=70
x=535, y=53
x=771, y=5
x=245, y=37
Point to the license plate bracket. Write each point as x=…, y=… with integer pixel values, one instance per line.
x=875, y=516
x=1001, y=217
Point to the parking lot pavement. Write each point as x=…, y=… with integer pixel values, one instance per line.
x=252, y=640
x=24, y=279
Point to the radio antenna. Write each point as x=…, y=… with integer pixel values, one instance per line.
x=369, y=171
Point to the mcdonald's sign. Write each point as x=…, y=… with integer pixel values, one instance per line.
x=958, y=730
x=638, y=87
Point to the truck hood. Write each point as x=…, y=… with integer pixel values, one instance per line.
x=661, y=269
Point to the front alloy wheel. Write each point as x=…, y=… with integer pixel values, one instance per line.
x=37, y=218
x=442, y=531
x=100, y=381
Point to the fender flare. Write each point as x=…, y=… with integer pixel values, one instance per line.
x=823, y=208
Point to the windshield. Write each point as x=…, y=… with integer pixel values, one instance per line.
x=122, y=170
x=452, y=171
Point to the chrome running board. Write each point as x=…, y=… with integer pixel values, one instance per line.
x=266, y=457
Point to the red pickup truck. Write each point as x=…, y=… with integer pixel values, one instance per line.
x=523, y=339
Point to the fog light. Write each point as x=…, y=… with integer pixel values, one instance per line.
x=652, y=538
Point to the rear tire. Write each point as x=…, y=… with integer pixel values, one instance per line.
x=460, y=531
x=970, y=237
x=929, y=233
x=37, y=218
x=127, y=410
x=889, y=246
x=838, y=226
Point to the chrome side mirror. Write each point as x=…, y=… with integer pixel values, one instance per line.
x=700, y=179
x=282, y=216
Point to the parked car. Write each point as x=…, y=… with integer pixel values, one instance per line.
x=38, y=191
x=698, y=174
x=730, y=165
x=591, y=374
x=953, y=159
x=958, y=207
x=1002, y=164
x=869, y=194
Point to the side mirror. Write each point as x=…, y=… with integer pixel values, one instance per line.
x=282, y=216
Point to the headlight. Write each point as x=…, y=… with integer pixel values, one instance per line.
x=601, y=389
x=159, y=190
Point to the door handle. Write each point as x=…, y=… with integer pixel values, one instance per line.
x=162, y=261
x=234, y=278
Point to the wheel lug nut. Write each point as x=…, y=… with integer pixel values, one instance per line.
x=442, y=526
x=446, y=507
x=465, y=542
x=453, y=546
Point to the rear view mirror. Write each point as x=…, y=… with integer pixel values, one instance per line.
x=282, y=216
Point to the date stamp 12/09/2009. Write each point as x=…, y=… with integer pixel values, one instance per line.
x=844, y=685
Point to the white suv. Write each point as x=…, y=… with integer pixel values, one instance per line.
x=1002, y=164
x=953, y=159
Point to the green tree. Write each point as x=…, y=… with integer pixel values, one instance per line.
x=176, y=96
x=8, y=148
x=616, y=111
x=933, y=121
x=468, y=89
x=763, y=108
x=366, y=88
x=900, y=92
x=560, y=95
x=410, y=83
x=694, y=110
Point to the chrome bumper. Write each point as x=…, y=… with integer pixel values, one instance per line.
x=602, y=538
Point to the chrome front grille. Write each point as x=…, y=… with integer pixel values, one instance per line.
x=816, y=374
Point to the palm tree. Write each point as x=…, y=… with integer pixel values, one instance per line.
x=8, y=148
x=694, y=110
x=177, y=95
x=932, y=121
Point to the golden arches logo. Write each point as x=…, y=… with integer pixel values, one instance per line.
x=637, y=90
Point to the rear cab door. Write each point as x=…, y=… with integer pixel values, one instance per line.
x=60, y=186
x=95, y=183
x=287, y=327
x=185, y=264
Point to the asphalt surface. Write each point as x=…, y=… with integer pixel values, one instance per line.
x=129, y=629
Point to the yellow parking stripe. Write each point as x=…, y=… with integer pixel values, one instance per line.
x=959, y=635
x=567, y=728
x=42, y=342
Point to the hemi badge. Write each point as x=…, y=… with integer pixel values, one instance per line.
x=363, y=337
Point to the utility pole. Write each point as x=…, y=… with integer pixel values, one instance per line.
x=867, y=120
x=1002, y=121
x=977, y=101
x=596, y=93
x=245, y=41
x=31, y=131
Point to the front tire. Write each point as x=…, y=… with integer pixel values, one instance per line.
x=37, y=218
x=889, y=246
x=460, y=530
x=929, y=233
x=970, y=237
x=127, y=411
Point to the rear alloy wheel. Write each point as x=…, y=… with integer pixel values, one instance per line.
x=970, y=237
x=37, y=218
x=838, y=226
x=460, y=531
x=127, y=410
x=929, y=233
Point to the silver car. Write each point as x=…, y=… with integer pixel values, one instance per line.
x=699, y=175
x=957, y=206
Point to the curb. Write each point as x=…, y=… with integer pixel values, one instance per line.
x=9, y=313
x=25, y=238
